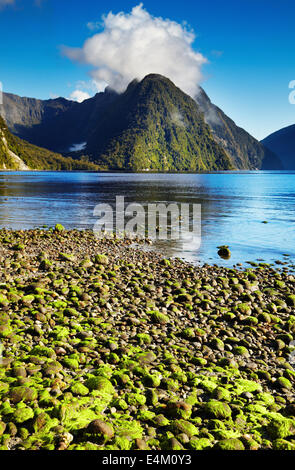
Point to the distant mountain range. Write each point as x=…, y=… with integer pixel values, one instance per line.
x=246, y=152
x=282, y=143
x=153, y=125
x=55, y=124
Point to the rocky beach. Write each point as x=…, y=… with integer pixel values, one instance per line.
x=106, y=346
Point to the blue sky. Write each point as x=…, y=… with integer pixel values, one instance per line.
x=249, y=45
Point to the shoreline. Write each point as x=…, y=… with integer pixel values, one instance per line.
x=152, y=172
x=108, y=347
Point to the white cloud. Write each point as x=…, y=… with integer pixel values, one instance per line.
x=85, y=89
x=92, y=25
x=91, y=85
x=132, y=45
x=79, y=95
x=77, y=147
x=212, y=117
x=178, y=119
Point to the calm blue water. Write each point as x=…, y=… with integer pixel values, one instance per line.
x=234, y=205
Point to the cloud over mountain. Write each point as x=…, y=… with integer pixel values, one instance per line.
x=132, y=45
x=79, y=95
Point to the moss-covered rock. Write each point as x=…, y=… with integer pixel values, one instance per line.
x=200, y=443
x=83, y=345
x=101, y=259
x=130, y=429
x=71, y=363
x=22, y=393
x=135, y=398
x=183, y=426
x=79, y=389
x=217, y=409
x=160, y=318
x=230, y=444
x=283, y=444
x=22, y=415
x=282, y=382
x=2, y=427
x=59, y=228
x=152, y=380
x=146, y=357
x=281, y=427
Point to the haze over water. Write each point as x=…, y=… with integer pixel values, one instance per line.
x=234, y=207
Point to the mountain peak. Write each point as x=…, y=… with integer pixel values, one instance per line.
x=150, y=80
x=154, y=125
x=156, y=77
x=109, y=90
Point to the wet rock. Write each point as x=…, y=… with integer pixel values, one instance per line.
x=178, y=410
x=100, y=428
x=224, y=252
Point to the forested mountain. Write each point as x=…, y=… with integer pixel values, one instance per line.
x=153, y=125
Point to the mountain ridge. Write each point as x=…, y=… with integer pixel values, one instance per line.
x=59, y=125
x=282, y=142
x=54, y=123
x=245, y=151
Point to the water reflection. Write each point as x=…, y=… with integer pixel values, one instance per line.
x=234, y=205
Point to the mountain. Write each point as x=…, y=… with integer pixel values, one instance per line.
x=55, y=124
x=17, y=154
x=246, y=152
x=282, y=143
x=155, y=126
x=24, y=115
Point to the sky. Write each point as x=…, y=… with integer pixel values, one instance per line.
x=242, y=52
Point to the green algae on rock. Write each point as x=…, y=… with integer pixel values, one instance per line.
x=106, y=346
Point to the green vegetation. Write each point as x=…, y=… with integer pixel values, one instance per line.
x=155, y=126
x=152, y=126
x=17, y=154
x=87, y=365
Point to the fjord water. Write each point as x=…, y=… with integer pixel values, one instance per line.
x=235, y=206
